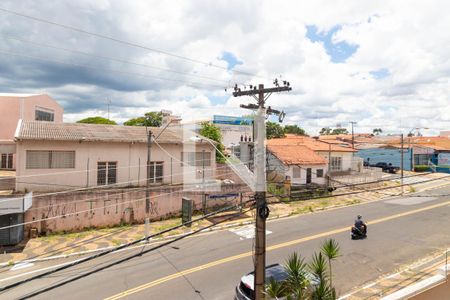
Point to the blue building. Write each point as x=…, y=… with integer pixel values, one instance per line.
x=388, y=155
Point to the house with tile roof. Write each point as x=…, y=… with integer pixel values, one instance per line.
x=52, y=157
x=311, y=159
x=298, y=163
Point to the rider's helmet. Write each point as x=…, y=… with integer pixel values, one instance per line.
x=359, y=217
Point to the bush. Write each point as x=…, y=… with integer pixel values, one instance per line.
x=421, y=168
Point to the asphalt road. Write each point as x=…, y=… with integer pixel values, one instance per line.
x=401, y=231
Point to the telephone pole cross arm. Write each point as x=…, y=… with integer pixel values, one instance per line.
x=262, y=210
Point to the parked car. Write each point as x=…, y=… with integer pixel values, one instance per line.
x=387, y=167
x=245, y=289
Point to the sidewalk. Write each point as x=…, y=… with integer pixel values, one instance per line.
x=406, y=276
x=96, y=239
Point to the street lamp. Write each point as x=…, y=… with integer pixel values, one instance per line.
x=147, y=187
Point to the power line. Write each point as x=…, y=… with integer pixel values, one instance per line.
x=8, y=287
x=114, y=59
x=132, y=44
x=191, y=84
x=91, y=209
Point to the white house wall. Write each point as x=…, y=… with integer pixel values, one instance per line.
x=131, y=164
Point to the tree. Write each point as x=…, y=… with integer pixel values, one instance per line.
x=325, y=131
x=377, y=131
x=212, y=132
x=294, y=129
x=274, y=130
x=150, y=119
x=339, y=131
x=97, y=120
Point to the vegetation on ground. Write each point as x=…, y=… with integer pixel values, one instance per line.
x=313, y=280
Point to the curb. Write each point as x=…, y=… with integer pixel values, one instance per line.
x=218, y=228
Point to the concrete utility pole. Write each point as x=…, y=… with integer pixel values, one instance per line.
x=401, y=163
x=353, y=134
x=262, y=210
x=147, y=190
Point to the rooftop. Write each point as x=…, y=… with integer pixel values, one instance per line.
x=312, y=144
x=296, y=155
x=49, y=131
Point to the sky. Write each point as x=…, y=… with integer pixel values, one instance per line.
x=382, y=64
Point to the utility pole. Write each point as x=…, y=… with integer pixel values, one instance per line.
x=262, y=210
x=353, y=134
x=401, y=163
x=147, y=190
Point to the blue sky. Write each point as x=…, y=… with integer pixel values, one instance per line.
x=380, y=73
x=231, y=59
x=338, y=52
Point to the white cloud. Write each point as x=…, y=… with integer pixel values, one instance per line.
x=408, y=38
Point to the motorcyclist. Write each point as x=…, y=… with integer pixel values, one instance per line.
x=360, y=225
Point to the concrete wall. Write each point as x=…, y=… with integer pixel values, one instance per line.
x=131, y=164
x=14, y=108
x=77, y=210
x=439, y=292
x=347, y=158
x=314, y=178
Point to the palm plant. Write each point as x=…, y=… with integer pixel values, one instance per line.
x=275, y=289
x=330, y=248
x=296, y=281
x=322, y=290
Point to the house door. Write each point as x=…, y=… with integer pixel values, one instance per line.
x=308, y=175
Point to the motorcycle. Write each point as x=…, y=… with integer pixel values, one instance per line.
x=359, y=233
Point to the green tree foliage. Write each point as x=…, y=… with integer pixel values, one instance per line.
x=212, y=132
x=294, y=129
x=97, y=120
x=325, y=131
x=274, y=130
x=377, y=131
x=150, y=119
x=336, y=131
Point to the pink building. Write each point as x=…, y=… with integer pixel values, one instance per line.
x=68, y=156
x=29, y=107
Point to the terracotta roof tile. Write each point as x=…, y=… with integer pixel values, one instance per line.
x=296, y=155
x=311, y=143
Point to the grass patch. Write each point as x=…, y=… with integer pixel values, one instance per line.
x=412, y=189
x=116, y=242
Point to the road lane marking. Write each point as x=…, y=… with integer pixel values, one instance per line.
x=247, y=232
x=270, y=248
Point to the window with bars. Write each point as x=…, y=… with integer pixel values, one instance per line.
x=156, y=172
x=196, y=159
x=296, y=172
x=106, y=172
x=42, y=114
x=336, y=163
x=38, y=159
x=6, y=161
x=319, y=173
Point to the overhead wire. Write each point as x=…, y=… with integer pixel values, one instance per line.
x=128, y=43
x=114, y=59
x=187, y=83
x=103, y=253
